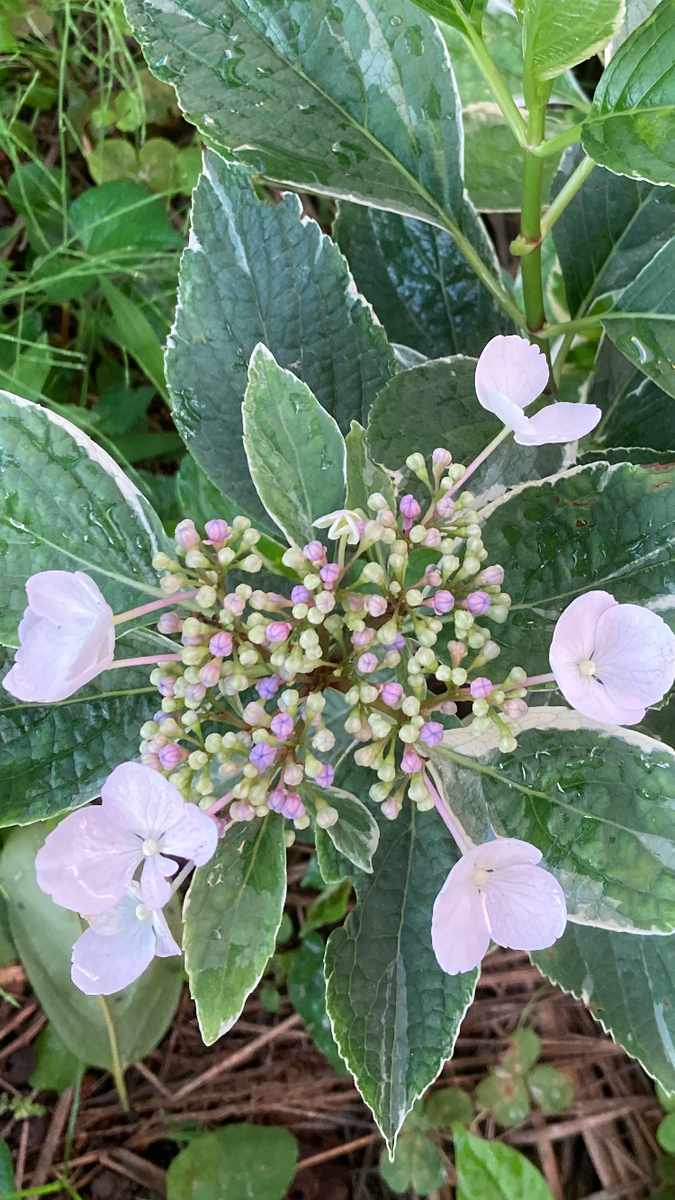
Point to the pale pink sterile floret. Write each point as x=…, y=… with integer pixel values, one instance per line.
x=611, y=660
x=119, y=945
x=496, y=892
x=510, y=375
x=89, y=860
x=67, y=637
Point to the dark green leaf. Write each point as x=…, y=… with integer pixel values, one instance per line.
x=6, y=1167
x=631, y=125
x=421, y=287
x=447, y=1105
x=505, y=1097
x=133, y=332
x=395, y=1013
x=636, y=412
x=300, y=301
x=492, y=1171
x=596, y=803
x=121, y=408
x=232, y=915
x=332, y=865
x=416, y=1163
x=434, y=405
x=65, y=505
x=239, y=1162
x=558, y=34
x=551, y=1090
x=44, y=935
x=137, y=447
x=598, y=526
x=296, y=453
x=364, y=477
x=306, y=986
x=329, y=907
x=121, y=216
x=608, y=232
x=55, y=1068
x=642, y=322
x=356, y=833
x=628, y=983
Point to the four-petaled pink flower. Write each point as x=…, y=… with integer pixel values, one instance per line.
x=510, y=375
x=119, y=945
x=611, y=660
x=89, y=860
x=496, y=892
x=67, y=637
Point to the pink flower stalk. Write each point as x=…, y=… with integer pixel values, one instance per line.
x=67, y=637
x=186, y=535
x=478, y=603
x=119, y=945
x=444, y=602
x=278, y=631
x=391, y=694
x=431, y=733
x=611, y=660
x=221, y=644
x=89, y=860
x=263, y=755
x=511, y=374
x=376, y=605
x=409, y=507
x=411, y=762
x=481, y=688
x=367, y=663
x=326, y=776
x=217, y=532
x=496, y=892
x=282, y=726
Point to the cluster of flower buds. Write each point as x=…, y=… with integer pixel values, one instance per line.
x=395, y=620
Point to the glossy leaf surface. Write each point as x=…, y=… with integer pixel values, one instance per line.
x=493, y=1171
x=557, y=34
x=636, y=411
x=642, y=322
x=356, y=834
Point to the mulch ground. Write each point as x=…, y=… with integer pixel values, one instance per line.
x=267, y=1071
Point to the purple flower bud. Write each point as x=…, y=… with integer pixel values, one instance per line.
x=267, y=688
x=363, y=638
x=162, y=716
x=301, y=595
x=367, y=663
x=478, y=603
x=315, y=552
x=210, y=672
x=355, y=601
x=195, y=692
x=492, y=576
x=448, y=707
x=234, y=603
x=151, y=760
x=391, y=694
x=397, y=644
x=169, y=623
x=431, y=733
x=172, y=755
x=217, y=532
x=326, y=776
x=278, y=631
x=276, y=799
x=411, y=761
x=186, y=535
x=433, y=538
x=433, y=576
x=282, y=726
x=515, y=708
x=330, y=574
x=445, y=507
x=481, y=688
x=293, y=808
x=409, y=507
x=166, y=685
x=444, y=602
x=441, y=457
x=376, y=605
x=262, y=755
x=221, y=644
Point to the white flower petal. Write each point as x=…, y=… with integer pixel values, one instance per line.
x=193, y=836
x=87, y=862
x=512, y=416
x=155, y=887
x=102, y=965
x=137, y=798
x=513, y=366
x=459, y=929
x=165, y=945
x=525, y=907
x=559, y=423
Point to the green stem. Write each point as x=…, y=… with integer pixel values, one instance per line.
x=117, y=1068
x=485, y=275
x=530, y=226
x=566, y=193
x=561, y=357
x=510, y=111
x=579, y=325
x=557, y=144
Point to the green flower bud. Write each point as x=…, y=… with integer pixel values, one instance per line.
x=368, y=693
x=416, y=463
x=480, y=725
x=459, y=676
x=252, y=563
x=197, y=760
x=226, y=556
x=409, y=733
x=377, y=501
x=294, y=559
x=414, y=598
x=241, y=523
x=149, y=729
x=391, y=659
x=289, y=838
x=206, y=597
x=507, y=743
x=417, y=534
x=191, y=655
x=214, y=743
x=372, y=573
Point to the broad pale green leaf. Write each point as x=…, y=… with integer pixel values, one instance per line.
x=598, y=526
x=493, y=1171
x=558, y=34
x=417, y=1163
x=55, y=757
x=44, y=934
x=608, y=232
x=232, y=915
x=631, y=125
x=296, y=453
x=597, y=801
x=364, y=477
x=65, y=505
x=395, y=1013
x=239, y=1162
x=636, y=412
x=306, y=986
x=356, y=100
x=257, y=272
x=121, y=217
x=628, y=983
x=435, y=404
x=356, y=834
x=422, y=289
x=642, y=322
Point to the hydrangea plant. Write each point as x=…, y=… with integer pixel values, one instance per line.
x=419, y=609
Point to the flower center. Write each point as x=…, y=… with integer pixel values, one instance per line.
x=480, y=876
x=587, y=667
x=142, y=912
x=150, y=847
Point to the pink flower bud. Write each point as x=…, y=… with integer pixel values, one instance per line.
x=267, y=688
x=278, y=631
x=262, y=755
x=376, y=605
x=210, y=672
x=445, y=507
x=282, y=726
x=432, y=539
x=409, y=507
x=190, y=641
x=448, y=707
x=301, y=595
x=326, y=776
x=169, y=623
x=481, y=688
x=172, y=755
x=411, y=762
x=355, y=602
x=397, y=644
x=515, y=708
x=367, y=663
x=478, y=603
x=186, y=535
x=234, y=603
x=221, y=644
x=217, y=532
x=276, y=799
x=166, y=685
x=294, y=774
x=441, y=457
x=492, y=576
x=444, y=602
x=151, y=760
x=293, y=808
x=431, y=733
x=241, y=810
x=363, y=638
x=391, y=694
x=457, y=651
x=195, y=692
x=330, y=574
x=315, y=552
x=433, y=576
